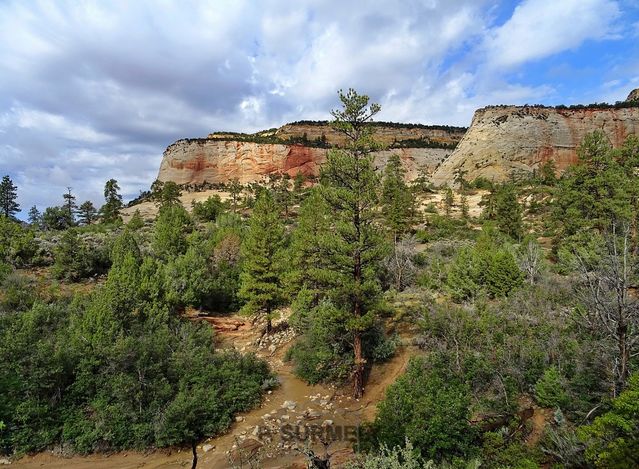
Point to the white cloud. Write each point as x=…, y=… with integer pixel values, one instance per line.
x=45, y=122
x=540, y=28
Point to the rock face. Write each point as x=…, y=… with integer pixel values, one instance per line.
x=503, y=140
x=218, y=161
x=385, y=133
x=220, y=158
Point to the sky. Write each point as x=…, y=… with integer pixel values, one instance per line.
x=93, y=90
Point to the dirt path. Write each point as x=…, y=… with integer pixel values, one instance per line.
x=294, y=405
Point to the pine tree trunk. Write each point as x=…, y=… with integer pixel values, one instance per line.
x=194, y=449
x=358, y=373
x=269, y=324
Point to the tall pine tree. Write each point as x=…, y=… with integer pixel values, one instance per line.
x=263, y=267
x=110, y=211
x=349, y=186
x=69, y=205
x=87, y=213
x=35, y=217
x=8, y=196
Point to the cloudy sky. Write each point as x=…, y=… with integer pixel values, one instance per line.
x=91, y=90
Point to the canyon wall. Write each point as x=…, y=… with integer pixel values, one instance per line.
x=501, y=142
x=505, y=140
x=385, y=133
x=194, y=161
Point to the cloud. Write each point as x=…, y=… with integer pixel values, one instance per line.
x=540, y=28
x=93, y=90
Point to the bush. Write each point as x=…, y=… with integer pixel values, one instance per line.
x=482, y=183
x=324, y=351
x=429, y=407
x=612, y=440
x=97, y=380
x=483, y=267
x=442, y=227
x=208, y=210
x=549, y=390
x=171, y=227
x=75, y=259
x=17, y=244
x=18, y=293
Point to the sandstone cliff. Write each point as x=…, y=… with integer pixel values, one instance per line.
x=385, y=133
x=195, y=161
x=503, y=140
x=224, y=156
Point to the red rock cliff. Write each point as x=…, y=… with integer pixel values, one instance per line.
x=503, y=140
x=220, y=158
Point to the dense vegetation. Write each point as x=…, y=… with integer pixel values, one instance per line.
x=524, y=319
x=118, y=367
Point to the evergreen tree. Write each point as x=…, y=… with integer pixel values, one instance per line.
x=298, y=186
x=488, y=203
x=309, y=246
x=235, y=190
x=136, y=221
x=601, y=189
x=87, y=213
x=449, y=201
x=110, y=211
x=168, y=194
x=8, y=196
x=56, y=218
x=398, y=204
x=69, y=205
x=349, y=185
x=35, y=217
x=548, y=173
x=282, y=193
x=463, y=202
x=171, y=227
x=209, y=209
x=72, y=260
x=508, y=211
x=612, y=439
x=263, y=251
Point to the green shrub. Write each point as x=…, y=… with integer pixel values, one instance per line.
x=208, y=210
x=171, y=227
x=443, y=227
x=99, y=378
x=17, y=244
x=612, y=439
x=136, y=222
x=482, y=183
x=549, y=389
x=75, y=259
x=323, y=353
x=483, y=267
x=18, y=293
x=429, y=407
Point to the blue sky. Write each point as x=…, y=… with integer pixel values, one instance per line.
x=91, y=90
